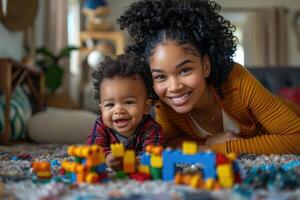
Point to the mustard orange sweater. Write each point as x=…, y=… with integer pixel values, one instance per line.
x=268, y=124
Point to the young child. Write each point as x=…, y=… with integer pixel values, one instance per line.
x=124, y=95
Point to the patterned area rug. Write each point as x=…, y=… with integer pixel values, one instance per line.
x=16, y=179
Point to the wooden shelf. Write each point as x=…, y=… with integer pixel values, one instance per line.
x=116, y=37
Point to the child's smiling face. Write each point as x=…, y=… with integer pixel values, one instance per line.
x=123, y=103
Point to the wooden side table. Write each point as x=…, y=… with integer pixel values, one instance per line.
x=12, y=74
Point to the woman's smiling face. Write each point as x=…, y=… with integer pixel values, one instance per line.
x=179, y=75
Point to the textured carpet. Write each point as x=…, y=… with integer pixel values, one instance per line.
x=16, y=179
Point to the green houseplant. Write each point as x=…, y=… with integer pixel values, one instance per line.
x=52, y=66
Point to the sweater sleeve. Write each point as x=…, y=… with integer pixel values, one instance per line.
x=173, y=136
x=282, y=124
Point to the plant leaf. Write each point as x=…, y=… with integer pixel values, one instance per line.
x=54, y=76
x=45, y=52
x=65, y=52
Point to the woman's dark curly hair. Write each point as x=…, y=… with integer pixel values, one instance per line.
x=197, y=22
x=124, y=65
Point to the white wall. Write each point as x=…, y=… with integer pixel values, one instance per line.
x=11, y=43
x=292, y=5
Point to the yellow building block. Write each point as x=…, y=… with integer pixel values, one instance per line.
x=43, y=174
x=129, y=156
x=144, y=169
x=77, y=151
x=72, y=167
x=225, y=175
x=86, y=151
x=71, y=150
x=92, y=177
x=156, y=161
x=195, y=181
x=189, y=147
x=209, y=183
x=117, y=149
x=225, y=170
x=97, y=149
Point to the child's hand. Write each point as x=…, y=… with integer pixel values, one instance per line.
x=113, y=162
x=221, y=138
x=138, y=160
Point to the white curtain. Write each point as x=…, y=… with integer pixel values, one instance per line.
x=56, y=12
x=275, y=35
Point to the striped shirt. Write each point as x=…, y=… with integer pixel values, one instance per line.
x=147, y=132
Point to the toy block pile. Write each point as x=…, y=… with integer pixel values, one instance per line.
x=89, y=165
x=215, y=170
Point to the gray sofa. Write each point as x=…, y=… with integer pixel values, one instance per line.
x=275, y=78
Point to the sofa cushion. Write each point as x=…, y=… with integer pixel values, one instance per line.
x=275, y=78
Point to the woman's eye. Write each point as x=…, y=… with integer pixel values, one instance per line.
x=185, y=71
x=159, y=77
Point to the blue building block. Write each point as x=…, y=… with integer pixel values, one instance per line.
x=145, y=159
x=73, y=177
x=101, y=168
x=173, y=157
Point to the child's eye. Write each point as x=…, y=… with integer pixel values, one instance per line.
x=130, y=102
x=159, y=77
x=109, y=105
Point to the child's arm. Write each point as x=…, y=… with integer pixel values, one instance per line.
x=99, y=136
x=153, y=134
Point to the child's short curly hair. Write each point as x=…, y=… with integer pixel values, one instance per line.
x=124, y=65
x=197, y=22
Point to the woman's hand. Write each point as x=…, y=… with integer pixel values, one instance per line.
x=113, y=162
x=221, y=138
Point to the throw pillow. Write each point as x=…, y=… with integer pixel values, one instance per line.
x=292, y=94
x=20, y=112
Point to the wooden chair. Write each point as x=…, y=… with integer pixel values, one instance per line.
x=13, y=73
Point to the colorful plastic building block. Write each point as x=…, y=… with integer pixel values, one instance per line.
x=129, y=161
x=189, y=147
x=225, y=175
x=172, y=157
x=117, y=149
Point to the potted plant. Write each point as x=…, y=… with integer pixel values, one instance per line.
x=51, y=65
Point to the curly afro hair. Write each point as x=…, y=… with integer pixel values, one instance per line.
x=125, y=65
x=197, y=22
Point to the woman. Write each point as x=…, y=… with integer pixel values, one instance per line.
x=204, y=95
